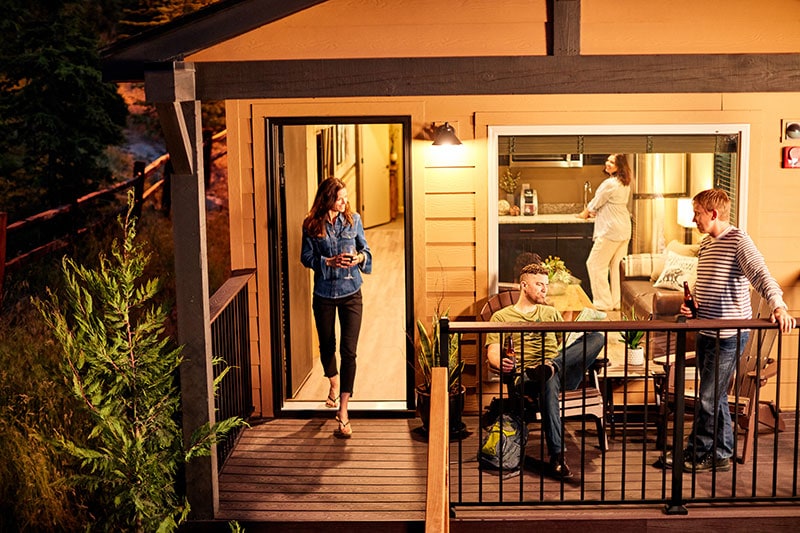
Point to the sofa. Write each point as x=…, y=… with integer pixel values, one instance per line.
x=651, y=287
x=640, y=275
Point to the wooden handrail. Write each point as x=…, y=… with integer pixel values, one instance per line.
x=437, y=505
x=222, y=297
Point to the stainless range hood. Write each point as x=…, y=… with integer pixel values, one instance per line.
x=517, y=159
x=539, y=151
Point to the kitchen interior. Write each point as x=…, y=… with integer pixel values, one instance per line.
x=544, y=181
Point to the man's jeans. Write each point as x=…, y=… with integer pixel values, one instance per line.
x=712, y=406
x=571, y=366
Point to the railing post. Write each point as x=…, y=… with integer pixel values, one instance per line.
x=444, y=342
x=166, y=189
x=3, y=241
x=676, y=503
x=138, y=188
x=437, y=502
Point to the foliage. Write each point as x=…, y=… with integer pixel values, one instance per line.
x=35, y=494
x=123, y=370
x=509, y=181
x=56, y=113
x=557, y=270
x=429, y=354
x=138, y=15
x=631, y=338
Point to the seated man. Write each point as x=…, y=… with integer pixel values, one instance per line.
x=543, y=360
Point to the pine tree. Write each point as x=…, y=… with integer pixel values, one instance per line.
x=123, y=369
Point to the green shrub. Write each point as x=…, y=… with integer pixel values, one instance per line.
x=123, y=371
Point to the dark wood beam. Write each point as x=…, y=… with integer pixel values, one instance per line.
x=679, y=73
x=566, y=22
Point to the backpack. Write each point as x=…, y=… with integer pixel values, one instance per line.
x=504, y=442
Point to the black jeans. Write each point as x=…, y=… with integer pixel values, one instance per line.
x=349, y=309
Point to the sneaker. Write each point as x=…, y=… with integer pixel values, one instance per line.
x=666, y=460
x=707, y=464
x=540, y=373
x=559, y=466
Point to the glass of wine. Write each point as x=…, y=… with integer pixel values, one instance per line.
x=350, y=252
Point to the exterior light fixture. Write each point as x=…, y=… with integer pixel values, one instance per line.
x=445, y=135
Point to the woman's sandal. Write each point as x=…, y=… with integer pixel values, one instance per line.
x=332, y=400
x=344, y=430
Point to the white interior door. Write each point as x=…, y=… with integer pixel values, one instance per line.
x=374, y=174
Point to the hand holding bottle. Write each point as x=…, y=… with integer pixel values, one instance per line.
x=509, y=359
x=688, y=302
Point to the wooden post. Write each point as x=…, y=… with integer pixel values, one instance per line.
x=138, y=188
x=166, y=189
x=437, y=504
x=3, y=226
x=180, y=117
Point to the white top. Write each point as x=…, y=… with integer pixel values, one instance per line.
x=610, y=202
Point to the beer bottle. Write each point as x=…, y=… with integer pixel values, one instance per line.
x=688, y=299
x=509, y=347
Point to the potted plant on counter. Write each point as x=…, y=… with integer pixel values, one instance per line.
x=428, y=357
x=558, y=275
x=632, y=339
x=508, y=182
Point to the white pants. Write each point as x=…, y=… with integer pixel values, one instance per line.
x=604, y=259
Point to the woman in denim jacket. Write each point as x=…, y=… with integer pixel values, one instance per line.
x=335, y=248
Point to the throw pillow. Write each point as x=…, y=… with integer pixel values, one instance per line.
x=677, y=269
x=689, y=250
x=643, y=265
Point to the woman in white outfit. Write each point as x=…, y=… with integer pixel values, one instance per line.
x=612, y=232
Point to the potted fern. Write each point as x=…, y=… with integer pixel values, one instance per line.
x=429, y=356
x=632, y=339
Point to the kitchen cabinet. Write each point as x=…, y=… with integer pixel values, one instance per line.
x=571, y=241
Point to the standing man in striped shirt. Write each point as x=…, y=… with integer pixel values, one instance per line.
x=728, y=263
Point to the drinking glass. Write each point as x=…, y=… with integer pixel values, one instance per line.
x=350, y=251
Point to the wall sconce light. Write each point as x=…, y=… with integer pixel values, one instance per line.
x=792, y=130
x=685, y=218
x=445, y=135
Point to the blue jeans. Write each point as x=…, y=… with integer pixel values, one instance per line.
x=713, y=408
x=571, y=366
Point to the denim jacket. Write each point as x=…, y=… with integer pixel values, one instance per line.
x=329, y=282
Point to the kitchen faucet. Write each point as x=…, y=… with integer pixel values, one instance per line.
x=587, y=192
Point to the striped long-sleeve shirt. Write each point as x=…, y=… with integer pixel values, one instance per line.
x=726, y=267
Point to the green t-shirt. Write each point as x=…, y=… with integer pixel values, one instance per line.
x=531, y=353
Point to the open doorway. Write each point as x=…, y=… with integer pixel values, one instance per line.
x=371, y=155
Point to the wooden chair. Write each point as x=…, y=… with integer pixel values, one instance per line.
x=586, y=400
x=754, y=369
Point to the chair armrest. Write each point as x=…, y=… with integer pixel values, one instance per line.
x=769, y=370
x=667, y=303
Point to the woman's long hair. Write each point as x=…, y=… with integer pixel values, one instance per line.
x=315, y=221
x=623, y=172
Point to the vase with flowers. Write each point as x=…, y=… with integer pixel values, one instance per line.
x=508, y=183
x=558, y=275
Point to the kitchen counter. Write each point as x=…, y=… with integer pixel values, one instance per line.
x=570, y=218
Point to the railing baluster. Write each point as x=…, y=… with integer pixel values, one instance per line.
x=600, y=485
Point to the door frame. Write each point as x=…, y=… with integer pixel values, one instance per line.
x=278, y=263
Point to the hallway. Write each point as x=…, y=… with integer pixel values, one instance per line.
x=380, y=379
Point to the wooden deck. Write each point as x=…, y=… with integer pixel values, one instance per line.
x=293, y=475
x=289, y=470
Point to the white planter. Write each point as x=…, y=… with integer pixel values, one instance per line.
x=636, y=356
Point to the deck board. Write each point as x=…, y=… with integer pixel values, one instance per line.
x=287, y=471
